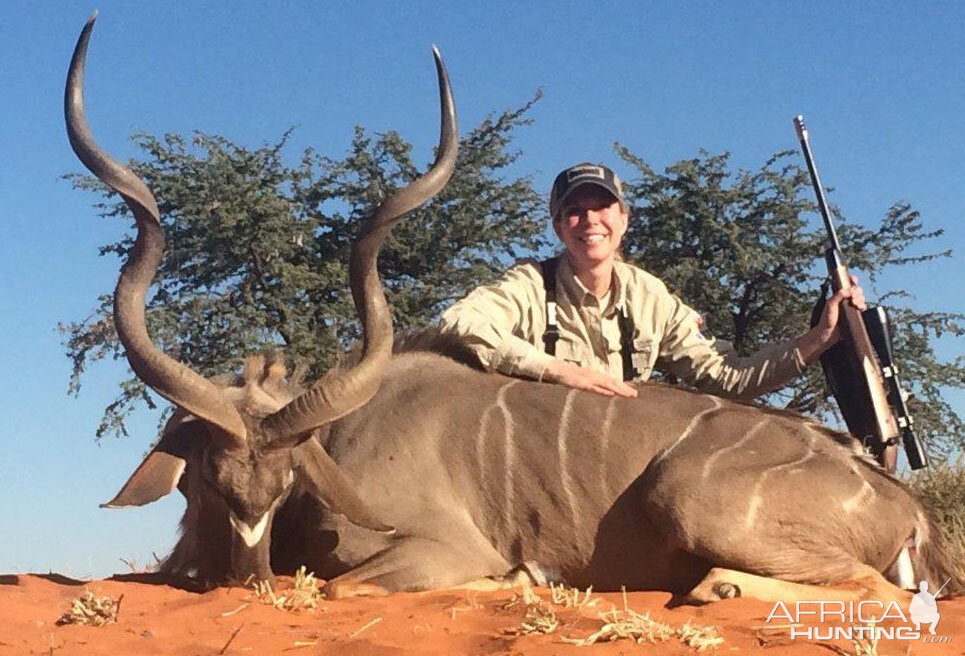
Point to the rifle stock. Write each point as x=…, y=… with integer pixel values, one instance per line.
x=880, y=428
x=884, y=443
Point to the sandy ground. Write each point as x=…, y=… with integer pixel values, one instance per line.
x=157, y=618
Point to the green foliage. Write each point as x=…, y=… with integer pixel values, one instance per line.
x=943, y=489
x=257, y=249
x=257, y=252
x=740, y=248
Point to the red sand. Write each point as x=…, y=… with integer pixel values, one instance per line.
x=159, y=619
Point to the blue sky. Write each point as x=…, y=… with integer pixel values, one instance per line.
x=881, y=85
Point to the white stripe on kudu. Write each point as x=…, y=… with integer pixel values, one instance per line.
x=484, y=419
x=858, y=499
x=509, y=427
x=605, y=445
x=755, y=504
x=561, y=438
x=690, y=427
x=509, y=454
x=709, y=462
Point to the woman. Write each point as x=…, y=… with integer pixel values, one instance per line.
x=593, y=322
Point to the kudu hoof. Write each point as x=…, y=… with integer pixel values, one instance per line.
x=715, y=587
x=726, y=590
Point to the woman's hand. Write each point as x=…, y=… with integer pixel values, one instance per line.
x=827, y=332
x=589, y=380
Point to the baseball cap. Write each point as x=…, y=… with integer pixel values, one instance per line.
x=582, y=174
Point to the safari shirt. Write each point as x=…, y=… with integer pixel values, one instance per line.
x=503, y=325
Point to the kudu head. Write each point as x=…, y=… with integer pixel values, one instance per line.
x=243, y=444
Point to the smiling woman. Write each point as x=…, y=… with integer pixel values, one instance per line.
x=612, y=323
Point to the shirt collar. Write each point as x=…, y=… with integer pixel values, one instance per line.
x=577, y=292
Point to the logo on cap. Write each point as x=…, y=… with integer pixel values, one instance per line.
x=585, y=171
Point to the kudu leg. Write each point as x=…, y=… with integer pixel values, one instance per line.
x=866, y=585
x=416, y=564
x=518, y=578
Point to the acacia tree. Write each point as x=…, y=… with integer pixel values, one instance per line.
x=257, y=252
x=257, y=249
x=740, y=248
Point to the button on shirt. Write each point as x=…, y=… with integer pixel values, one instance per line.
x=503, y=325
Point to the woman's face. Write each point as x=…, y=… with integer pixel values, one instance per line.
x=591, y=224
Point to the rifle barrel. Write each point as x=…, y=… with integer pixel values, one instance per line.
x=802, y=135
x=881, y=428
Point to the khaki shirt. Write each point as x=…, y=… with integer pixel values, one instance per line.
x=503, y=324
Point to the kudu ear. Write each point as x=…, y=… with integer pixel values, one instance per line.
x=159, y=473
x=330, y=486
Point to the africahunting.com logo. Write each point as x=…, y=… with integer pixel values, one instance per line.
x=864, y=619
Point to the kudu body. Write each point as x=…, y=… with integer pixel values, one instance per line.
x=673, y=490
x=481, y=475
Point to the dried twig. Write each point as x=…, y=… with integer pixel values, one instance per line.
x=364, y=627
x=229, y=613
x=231, y=638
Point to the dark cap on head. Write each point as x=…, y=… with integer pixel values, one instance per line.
x=582, y=174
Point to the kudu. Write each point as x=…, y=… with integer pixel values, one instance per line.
x=482, y=476
x=241, y=448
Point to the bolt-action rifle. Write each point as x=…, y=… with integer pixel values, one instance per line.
x=860, y=369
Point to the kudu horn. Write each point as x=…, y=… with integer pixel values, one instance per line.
x=163, y=374
x=337, y=395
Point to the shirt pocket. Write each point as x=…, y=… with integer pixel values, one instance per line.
x=571, y=352
x=643, y=356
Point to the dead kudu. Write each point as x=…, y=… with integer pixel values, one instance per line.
x=482, y=476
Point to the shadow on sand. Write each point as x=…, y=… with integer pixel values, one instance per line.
x=172, y=580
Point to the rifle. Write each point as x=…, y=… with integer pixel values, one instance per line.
x=860, y=369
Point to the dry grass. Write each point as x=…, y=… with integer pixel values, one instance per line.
x=303, y=595
x=618, y=623
x=627, y=624
x=526, y=597
x=473, y=604
x=865, y=646
x=572, y=597
x=146, y=569
x=699, y=637
x=91, y=610
x=538, y=618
